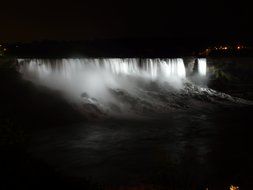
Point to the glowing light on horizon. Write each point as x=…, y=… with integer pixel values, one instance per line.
x=233, y=187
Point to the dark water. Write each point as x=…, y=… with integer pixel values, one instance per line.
x=188, y=150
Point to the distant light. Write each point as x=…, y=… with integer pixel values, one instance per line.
x=225, y=48
x=238, y=47
x=5, y=49
x=232, y=187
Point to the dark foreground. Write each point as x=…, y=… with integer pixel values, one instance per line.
x=45, y=143
x=184, y=151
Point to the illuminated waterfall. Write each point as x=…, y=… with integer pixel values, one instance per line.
x=202, y=66
x=97, y=76
x=116, y=86
x=148, y=68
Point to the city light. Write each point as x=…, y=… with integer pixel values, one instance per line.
x=232, y=187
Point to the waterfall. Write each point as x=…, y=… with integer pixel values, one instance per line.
x=119, y=87
x=96, y=77
x=148, y=68
x=202, y=66
x=109, y=85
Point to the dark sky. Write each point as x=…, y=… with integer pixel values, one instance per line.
x=80, y=20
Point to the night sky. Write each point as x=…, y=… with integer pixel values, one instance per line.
x=86, y=20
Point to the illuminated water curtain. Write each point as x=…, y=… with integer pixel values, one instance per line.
x=202, y=66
